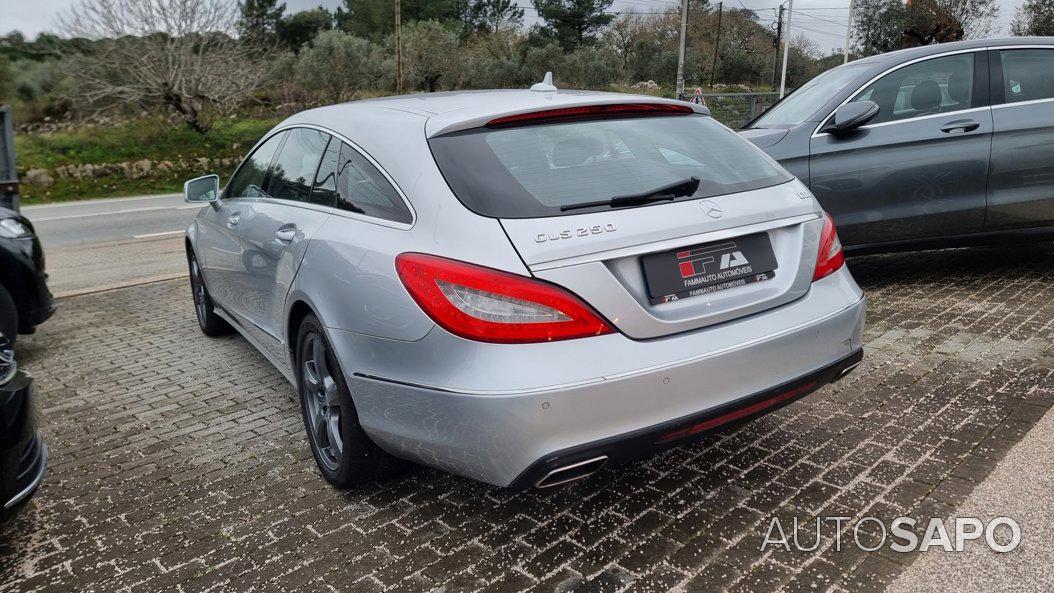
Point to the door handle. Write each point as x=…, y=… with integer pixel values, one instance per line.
x=232, y=220
x=285, y=234
x=960, y=126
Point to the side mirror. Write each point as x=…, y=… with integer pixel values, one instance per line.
x=851, y=116
x=203, y=190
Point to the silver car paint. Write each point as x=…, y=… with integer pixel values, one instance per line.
x=475, y=408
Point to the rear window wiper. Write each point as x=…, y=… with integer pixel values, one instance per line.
x=684, y=187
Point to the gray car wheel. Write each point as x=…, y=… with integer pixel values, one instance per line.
x=344, y=453
x=210, y=323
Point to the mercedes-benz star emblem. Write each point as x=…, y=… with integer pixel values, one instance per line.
x=712, y=210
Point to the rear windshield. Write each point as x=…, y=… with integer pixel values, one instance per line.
x=531, y=171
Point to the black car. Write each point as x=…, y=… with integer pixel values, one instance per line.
x=23, y=455
x=25, y=300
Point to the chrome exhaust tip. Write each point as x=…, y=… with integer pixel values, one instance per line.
x=572, y=472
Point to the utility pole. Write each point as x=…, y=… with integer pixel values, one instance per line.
x=786, y=48
x=717, y=43
x=398, y=48
x=776, y=51
x=849, y=30
x=680, y=57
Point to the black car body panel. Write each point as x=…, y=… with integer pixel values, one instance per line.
x=22, y=275
x=23, y=454
x=960, y=152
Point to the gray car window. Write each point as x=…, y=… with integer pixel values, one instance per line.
x=248, y=180
x=809, y=97
x=940, y=85
x=362, y=188
x=325, y=189
x=293, y=172
x=1027, y=74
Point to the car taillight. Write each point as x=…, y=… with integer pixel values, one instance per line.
x=830, y=257
x=489, y=305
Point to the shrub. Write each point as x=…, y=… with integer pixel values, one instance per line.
x=337, y=64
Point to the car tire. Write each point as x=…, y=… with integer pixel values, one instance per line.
x=343, y=451
x=8, y=316
x=211, y=324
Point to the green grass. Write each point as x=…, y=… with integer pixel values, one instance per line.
x=150, y=139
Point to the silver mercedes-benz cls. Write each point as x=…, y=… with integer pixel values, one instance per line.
x=521, y=286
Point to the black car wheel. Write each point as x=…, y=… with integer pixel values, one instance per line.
x=210, y=323
x=8, y=316
x=344, y=453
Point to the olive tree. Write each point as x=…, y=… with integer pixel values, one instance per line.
x=181, y=55
x=337, y=64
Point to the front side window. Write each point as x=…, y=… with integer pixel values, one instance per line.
x=798, y=106
x=931, y=87
x=1028, y=74
x=363, y=189
x=293, y=172
x=535, y=170
x=248, y=181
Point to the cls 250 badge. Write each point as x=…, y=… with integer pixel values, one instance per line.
x=597, y=229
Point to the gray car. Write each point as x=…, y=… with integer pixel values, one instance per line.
x=935, y=146
x=521, y=286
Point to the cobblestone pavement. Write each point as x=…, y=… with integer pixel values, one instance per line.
x=179, y=463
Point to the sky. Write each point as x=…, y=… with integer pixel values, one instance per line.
x=822, y=21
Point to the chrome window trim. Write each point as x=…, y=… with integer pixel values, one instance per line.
x=816, y=133
x=1023, y=103
x=403, y=226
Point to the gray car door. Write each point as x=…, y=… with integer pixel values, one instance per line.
x=220, y=252
x=920, y=167
x=273, y=231
x=1021, y=181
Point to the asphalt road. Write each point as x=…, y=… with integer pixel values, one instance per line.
x=117, y=219
x=104, y=244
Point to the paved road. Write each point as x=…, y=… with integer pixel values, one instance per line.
x=117, y=219
x=179, y=461
x=102, y=244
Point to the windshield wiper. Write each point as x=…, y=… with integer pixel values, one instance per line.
x=684, y=187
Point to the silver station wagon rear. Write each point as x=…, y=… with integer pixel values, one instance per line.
x=558, y=281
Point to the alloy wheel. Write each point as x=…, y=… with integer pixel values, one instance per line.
x=322, y=401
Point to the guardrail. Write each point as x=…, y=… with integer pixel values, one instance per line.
x=8, y=172
x=736, y=109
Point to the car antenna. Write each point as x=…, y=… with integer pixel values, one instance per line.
x=546, y=85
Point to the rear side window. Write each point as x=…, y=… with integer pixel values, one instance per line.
x=363, y=189
x=325, y=190
x=248, y=181
x=293, y=172
x=1027, y=74
x=930, y=87
x=531, y=171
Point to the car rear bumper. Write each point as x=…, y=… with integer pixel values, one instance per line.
x=573, y=463
x=497, y=412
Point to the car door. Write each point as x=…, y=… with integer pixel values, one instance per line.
x=219, y=250
x=1021, y=180
x=273, y=231
x=919, y=168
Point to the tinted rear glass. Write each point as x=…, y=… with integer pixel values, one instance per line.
x=531, y=171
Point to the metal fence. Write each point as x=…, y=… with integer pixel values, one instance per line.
x=8, y=173
x=736, y=109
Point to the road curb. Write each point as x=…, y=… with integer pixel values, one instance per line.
x=109, y=287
